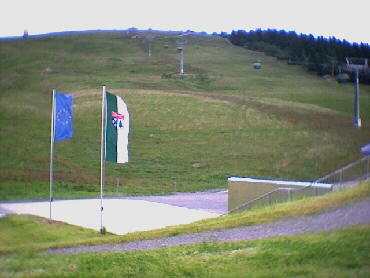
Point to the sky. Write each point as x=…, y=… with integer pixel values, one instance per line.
x=343, y=19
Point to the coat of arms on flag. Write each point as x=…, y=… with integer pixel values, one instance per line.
x=117, y=119
x=117, y=125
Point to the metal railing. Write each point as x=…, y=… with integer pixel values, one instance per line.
x=348, y=175
x=281, y=195
x=352, y=173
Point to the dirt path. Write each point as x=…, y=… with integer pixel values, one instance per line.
x=318, y=120
x=349, y=215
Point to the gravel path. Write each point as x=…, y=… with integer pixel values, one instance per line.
x=349, y=215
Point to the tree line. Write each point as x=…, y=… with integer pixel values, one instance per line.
x=318, y=54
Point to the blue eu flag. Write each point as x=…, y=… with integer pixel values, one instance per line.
x=63, y=116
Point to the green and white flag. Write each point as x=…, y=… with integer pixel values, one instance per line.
x=117, y=125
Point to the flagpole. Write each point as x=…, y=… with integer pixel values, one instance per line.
x=52, y=127
x=102, y=157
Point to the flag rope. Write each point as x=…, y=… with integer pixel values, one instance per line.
x=52, y=127
x=102, y=157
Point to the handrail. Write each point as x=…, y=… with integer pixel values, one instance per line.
x=252, y=201
x=341, y=169
x=270, y=193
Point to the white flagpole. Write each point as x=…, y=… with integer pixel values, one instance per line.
x=52, y=128
x=102, y=157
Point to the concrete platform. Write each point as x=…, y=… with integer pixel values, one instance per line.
x=120, y=216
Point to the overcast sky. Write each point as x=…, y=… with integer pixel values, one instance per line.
x=343, y=19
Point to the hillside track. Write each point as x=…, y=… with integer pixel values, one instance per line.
x=345, y=216
x=336, y=123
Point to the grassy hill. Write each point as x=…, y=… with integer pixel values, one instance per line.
x=223, y=118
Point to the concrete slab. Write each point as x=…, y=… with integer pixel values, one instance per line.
x=120, y=216
x=214, y=201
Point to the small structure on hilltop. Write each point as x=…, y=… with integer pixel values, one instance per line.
x=25, y=34
x=257, y=65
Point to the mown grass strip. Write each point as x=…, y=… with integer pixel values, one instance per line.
x=341, y=253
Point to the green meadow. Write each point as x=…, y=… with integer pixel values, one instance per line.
x=222, y=118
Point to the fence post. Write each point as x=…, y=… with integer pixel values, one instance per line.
x=117, y=185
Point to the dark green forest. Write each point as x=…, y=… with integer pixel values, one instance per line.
x=317, y=54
